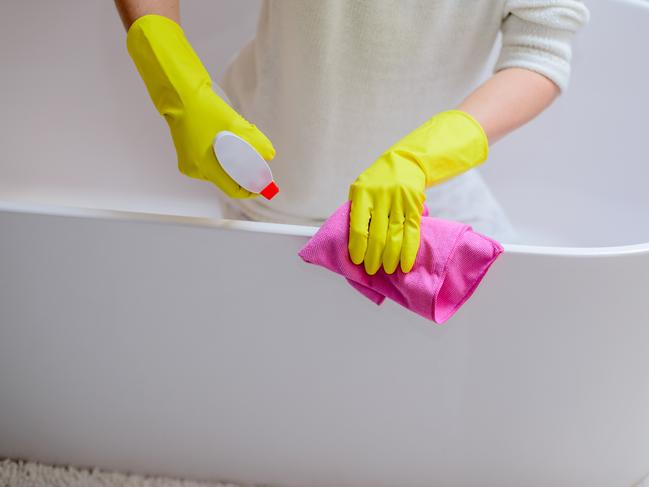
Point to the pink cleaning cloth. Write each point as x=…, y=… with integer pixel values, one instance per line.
x=451, y=261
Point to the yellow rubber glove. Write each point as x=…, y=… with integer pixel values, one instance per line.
x=387, y=198
x=181, y=90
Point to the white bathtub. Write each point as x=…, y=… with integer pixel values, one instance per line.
x=127, y=341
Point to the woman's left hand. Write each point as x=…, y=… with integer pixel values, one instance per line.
x=388, y=197
x=386, y=205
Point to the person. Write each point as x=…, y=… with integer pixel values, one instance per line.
x=374, y=101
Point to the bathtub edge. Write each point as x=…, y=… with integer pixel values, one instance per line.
x=286, y=229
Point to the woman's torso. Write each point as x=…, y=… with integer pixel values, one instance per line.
x=334, y=83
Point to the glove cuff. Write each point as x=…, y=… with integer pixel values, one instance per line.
x=166, y=61
x=450, y=143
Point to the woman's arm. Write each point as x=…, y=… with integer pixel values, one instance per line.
x=509, y=99
x=533, y=65
x=131, y=10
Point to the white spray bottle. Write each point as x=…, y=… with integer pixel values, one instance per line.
x=243, y=163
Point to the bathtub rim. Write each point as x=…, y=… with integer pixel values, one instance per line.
x=286, y=229
x=636, y=3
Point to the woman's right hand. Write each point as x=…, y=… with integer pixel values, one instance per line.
x=181, y=90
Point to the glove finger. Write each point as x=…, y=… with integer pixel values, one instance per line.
x=255, y=137
x=244, y=129
x=411, y=237
x=378, y=235
x=392, y=252
x=359, y=221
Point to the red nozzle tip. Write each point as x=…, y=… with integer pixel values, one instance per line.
x=269, y=191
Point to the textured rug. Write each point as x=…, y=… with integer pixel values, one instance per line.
x=16, y=473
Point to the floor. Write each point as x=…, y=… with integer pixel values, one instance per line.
x=31, y=474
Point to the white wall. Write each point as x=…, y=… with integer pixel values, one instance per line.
x=77, y=125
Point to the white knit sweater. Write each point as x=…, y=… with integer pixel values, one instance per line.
x=333, y=83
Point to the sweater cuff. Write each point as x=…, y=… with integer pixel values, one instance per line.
x=539, y=38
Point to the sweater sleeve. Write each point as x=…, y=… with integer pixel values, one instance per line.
x=537, y=36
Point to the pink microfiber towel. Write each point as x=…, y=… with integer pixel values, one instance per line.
x=451, y=262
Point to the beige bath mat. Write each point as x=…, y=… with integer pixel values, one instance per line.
x=31, y=474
